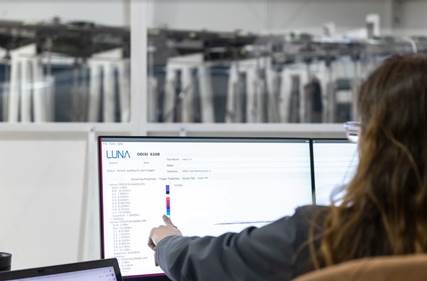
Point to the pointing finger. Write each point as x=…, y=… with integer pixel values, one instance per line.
x=167, y=220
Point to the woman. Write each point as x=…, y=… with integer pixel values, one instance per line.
x=383, y=211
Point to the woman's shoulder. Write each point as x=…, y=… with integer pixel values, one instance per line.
x=307, y=215
x=310, y=210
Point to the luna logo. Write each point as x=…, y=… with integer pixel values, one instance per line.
x=118, y=154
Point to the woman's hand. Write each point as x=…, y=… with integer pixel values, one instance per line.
x=162, y=231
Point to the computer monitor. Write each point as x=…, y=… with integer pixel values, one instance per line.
x=207, y=186
x=100, y=270
x=334, y=162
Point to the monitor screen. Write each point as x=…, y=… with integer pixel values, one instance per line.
x=334, y=163
x=207, y=186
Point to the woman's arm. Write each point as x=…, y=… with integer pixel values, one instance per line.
x=264, y=253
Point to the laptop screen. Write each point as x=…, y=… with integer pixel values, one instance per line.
x=335, y=162
x=99, y=270
x=207, y=186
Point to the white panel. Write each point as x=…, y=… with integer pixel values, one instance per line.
x=95, y=91
x=40, y=204
x=124, y=90
x=206, y=93
x=109, y=92
x=15, y=91
x=40, y=85
x=26, y=90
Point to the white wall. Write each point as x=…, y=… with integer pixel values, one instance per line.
x=264, y=15
x=414, y=15
x=311, y=15
x=278, y=15
x=41, y=199
x=110, y=12
x=215, y=15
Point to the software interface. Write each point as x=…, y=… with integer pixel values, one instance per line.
x=205, y=187
x=335, y=163
x=98, y=274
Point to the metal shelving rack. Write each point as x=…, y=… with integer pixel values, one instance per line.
x=139, y=125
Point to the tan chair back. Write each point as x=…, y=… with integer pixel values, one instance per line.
x=395, y=268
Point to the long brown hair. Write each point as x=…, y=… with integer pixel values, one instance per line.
x=384, y=209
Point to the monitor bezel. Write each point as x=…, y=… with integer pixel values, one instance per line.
x=330, y=140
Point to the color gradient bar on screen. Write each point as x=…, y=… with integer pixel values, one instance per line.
x=168, y=201
x=168, y=206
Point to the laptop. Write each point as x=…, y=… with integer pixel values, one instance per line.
x=99, y=270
